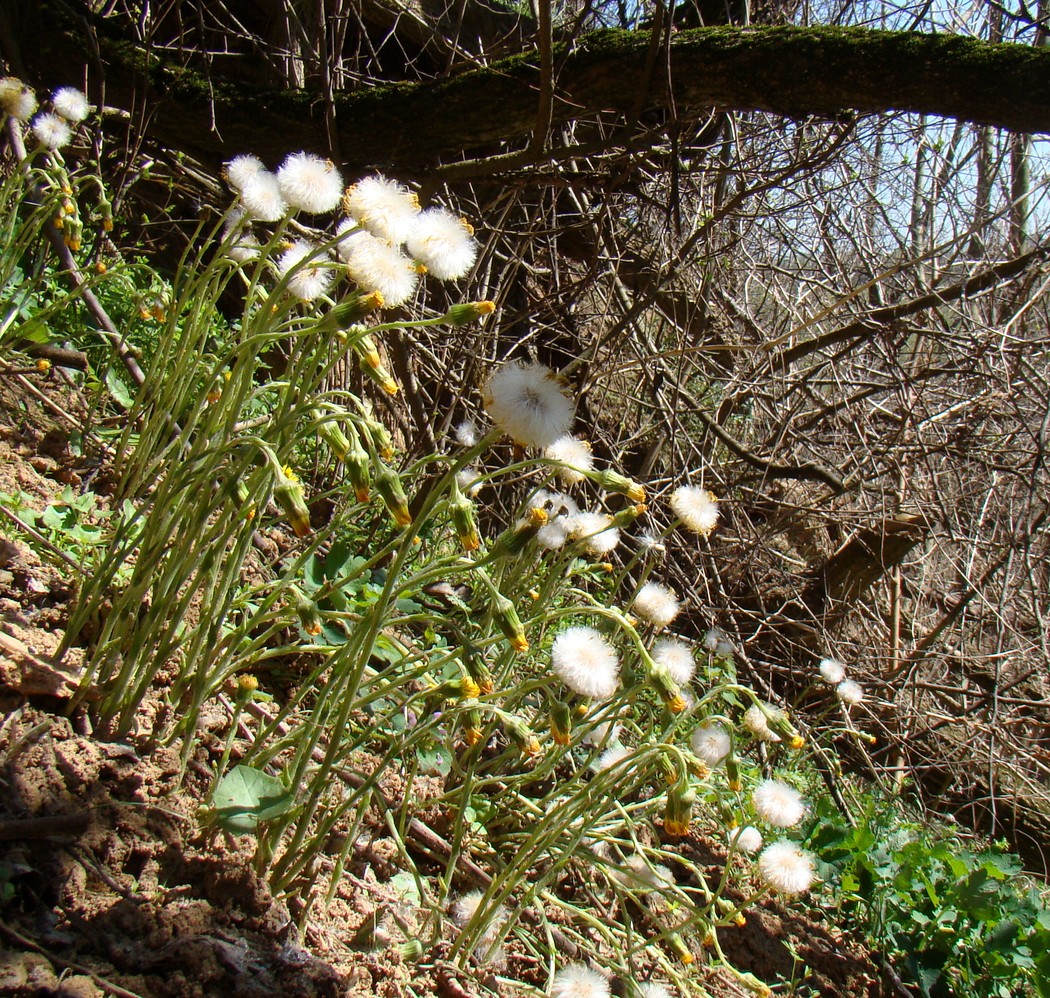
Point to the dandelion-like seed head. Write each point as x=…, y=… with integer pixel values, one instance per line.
x=656, y=603
x=16, y=99
x=612, y=756
x=747, y=839
x=375, y=265
x=384, y=207
x=711, y=743
x=577, y=980
x=306, y=280
x=653, y=989
x=755, y=722
x=443, y=243
x=786, y=868
x=696, y=508
x=638, y=873
x=778, y=804
x=71, y=103
x=466, y=433
x=528, y=403
x=604, y=732
x=595, y=532
x=310, y=183
x=469, y=479
x=242, y=170
x=651, y=544
x=575, y=458
x=586, y=662
x=463, y=910
x=52, y=131
x=676, y=657
x=832, y=671
x=849, y=692
x=261, y=196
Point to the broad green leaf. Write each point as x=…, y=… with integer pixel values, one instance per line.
x=246, y=796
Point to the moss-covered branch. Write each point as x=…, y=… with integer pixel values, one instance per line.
x=784, y=70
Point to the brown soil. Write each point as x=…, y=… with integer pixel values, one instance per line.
x=109, y=885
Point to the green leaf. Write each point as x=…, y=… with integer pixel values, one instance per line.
x=118, y=389
x=246, y=796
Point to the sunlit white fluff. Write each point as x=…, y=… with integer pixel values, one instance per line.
x=306, y=280
x=586, y=662
x=466, y=433
x=52, y=131
x=849, y=692
x=17, y=99
x=310, y=183
x=528, y=403
x=443, y=243
x=786, y=868
x=755, y=721
x=612, y=756
x=375, y=265
x=696, y=508
x=832, y=671
x=677, y=657
x=711, y=743
x=243, y=170
x=595, y=532
x=384, y=207
x=574, y=456
x=656, y=603
x=261, y=196
x=638, y=873
x=577, y=980
x=747, y=839
x=71, y=103
x=464, y=908
x=778, y=804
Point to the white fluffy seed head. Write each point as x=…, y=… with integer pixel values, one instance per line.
x=595, y=532
x=755, y=722
x=747, y=839
x=384, y=207
x=778, y=804
x=573, y=455
x=306, y=280
x=786, y=868
x=586, y=662
x=696, y=508
x=676, y=657
x=16, y=99
x=310, y=183
x=612, y=756
x=528, y=403
x=638, y=873
x=652, y=544
x=463, y=910
x=656, y=603
x=261, y=197
x=466, y=433
x=832, y=671
x=374, y=265
x=652, y=989
x=849, y=692
x=577, y=980
x=71, y=103
x=241, y=170
x=711, y=743
x=602, y=733
x=52, y=131
x=443, y=243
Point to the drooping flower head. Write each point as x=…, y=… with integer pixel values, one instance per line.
x=747, y=839
x=310, y=183
x=786, y=868
x=778, y=804
x=51, y=131
x=71, y=103
x=528, y=403
x=586, y=662
x=711, y=743
x=384, y=207
x=656, y=603
x=832, y=671
x=306, y=280
x=577, y=980
x=574, y=455
x=375, y=265
x=676, y=657
x=696, y=508
x=443, y=243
